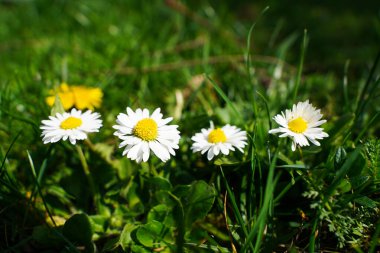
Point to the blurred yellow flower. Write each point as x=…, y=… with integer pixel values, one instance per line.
x=80, y=97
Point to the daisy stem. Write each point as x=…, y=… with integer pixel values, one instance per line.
x=86, y=169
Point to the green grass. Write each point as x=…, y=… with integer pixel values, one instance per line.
x=199, y=62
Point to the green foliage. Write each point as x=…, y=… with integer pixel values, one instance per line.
x=199, y=61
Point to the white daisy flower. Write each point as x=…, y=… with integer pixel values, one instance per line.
x=301, y=124
x=73, y=125
x=219, y=140
x=141, y=133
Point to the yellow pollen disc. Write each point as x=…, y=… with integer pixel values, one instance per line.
x=297, y=125
x=146, y=129
x=216, y=135
x=71, y=123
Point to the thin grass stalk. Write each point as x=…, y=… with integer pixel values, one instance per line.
x=313, y=234
x=286, y=189
x=251, y=184
x=266, y=109
x=300, y=66
x=2, y=170
x=345, y=86
x=34, y=191
x=341, y=173
x=248, y=61
x=224, y=97
x=366, y=127
x=235, y=209
x=362, y=101
x=18, y=245
x=86, y=169
x=226, y=221
x=39, y=188
x=261, y=220
x=180, y=241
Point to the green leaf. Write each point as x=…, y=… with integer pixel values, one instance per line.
x=111, y=245
x=161, y=213
x=44, y=236
x=358, y=181
x=78, y=229
x=366, y=202
x=181, y=190
x=340, y=156
x=159, y=183
x=198, y=201
x=125, y=239
x=344, y=186
x=98, y=222
x=105, y=151
x=151, y=234
x=139, y=249
x=57, y=107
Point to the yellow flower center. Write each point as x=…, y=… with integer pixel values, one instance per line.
x=216, y=135
x=297, y=125
x=71, y=123
x=146, y=129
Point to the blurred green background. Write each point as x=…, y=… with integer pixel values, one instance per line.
x=154, y=54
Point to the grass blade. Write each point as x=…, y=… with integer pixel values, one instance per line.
x=300, y=66
x=225, y=98
x=261, y=220
x=235, y=209
x=364, y=97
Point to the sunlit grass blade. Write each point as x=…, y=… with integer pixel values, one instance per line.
x=266, y=109
x=248, y=62
x=225, y=98
x=300, y=66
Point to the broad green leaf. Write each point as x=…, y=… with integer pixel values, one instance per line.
x=125, y=239
x=111, y=245
x=151, y=234
x=105, y=151
x=181, y=190
x=164, y=197
x=78, y=229
x=198, y=201
x=161, y=213
x=159, y=183
x=98, y=222
x=135, y=204
x=139, y=249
